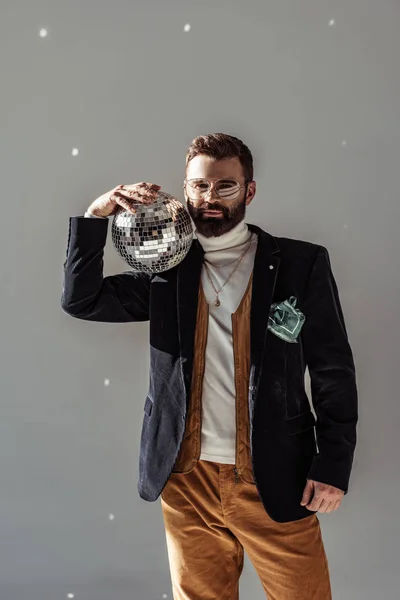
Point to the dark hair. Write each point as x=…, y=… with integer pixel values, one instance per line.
x=221, y=146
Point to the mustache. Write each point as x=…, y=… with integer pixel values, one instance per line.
x=199, y=211
x=211, y=208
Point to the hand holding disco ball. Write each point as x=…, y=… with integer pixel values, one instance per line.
x=121, y=197
x=151, y=230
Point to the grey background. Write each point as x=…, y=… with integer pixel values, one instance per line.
x=121, y=81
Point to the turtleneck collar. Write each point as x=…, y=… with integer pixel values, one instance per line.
x=235, y=237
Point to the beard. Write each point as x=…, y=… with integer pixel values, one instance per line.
x=210, y=226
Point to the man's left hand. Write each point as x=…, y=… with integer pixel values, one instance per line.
x=321, y=497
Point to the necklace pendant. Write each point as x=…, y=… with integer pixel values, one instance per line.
x=217, y=302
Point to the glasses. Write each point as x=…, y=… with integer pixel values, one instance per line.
x=226, y=189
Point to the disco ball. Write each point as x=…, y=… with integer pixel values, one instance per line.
x=156, y=238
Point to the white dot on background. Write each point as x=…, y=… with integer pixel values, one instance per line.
x=332, y=22
x=75, y=151
x=165, y=595
x=345, y=226
x=187, y=27
x=111, y=517
x=43, y=32
x=344, y=143
x=106, y=382
x=70, y=596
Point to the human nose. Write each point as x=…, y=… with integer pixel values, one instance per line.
x=209, y=194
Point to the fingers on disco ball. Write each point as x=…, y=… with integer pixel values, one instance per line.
x=150, y=186
x=123, y=202
x=146, y=197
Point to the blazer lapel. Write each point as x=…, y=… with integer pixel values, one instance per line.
x=188, y=282
x=266, y=267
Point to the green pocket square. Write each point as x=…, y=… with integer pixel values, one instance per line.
x=285, y=320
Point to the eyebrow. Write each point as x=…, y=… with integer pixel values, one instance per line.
x=216, y=178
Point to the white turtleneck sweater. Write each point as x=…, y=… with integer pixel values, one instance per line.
x=218, y=432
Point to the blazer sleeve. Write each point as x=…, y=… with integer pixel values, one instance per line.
x=332, y=374
x=86, y=294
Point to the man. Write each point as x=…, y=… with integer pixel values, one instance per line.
x=228, y=437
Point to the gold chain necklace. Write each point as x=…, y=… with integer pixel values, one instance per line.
x=225, y=264
x=217, y=301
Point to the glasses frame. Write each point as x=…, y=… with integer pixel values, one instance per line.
x=213, y=184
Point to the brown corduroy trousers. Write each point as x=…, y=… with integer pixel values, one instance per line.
x=211, y=516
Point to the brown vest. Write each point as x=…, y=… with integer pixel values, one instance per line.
x=189, y=452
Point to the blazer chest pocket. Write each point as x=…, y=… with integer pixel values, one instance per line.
x=285, y=321
x=300, y=423
x=148, y=406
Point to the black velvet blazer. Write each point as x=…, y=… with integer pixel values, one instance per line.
x=288, y=445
